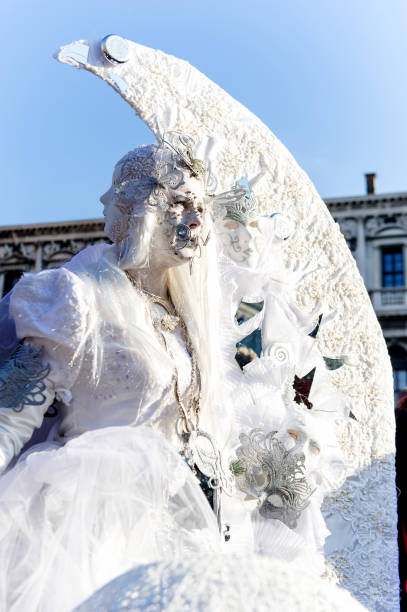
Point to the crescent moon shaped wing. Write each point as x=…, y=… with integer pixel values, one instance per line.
x=168, y=93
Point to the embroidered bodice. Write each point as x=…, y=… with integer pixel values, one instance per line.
x=134, y=379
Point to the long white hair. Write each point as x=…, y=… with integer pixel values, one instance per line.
x=195, y=293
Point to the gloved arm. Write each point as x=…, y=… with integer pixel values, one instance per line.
x=25, y=395
x=49, y=310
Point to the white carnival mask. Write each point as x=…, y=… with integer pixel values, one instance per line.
x=168, y=180
x=238, y=231
x=298, y=439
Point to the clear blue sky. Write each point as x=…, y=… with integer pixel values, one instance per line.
x=327, y=76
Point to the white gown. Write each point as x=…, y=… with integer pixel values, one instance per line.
x=109, y=491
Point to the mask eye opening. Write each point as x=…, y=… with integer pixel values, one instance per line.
x=314, y=447
x=294, y=434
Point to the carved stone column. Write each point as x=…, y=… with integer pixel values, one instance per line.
x=38, y=258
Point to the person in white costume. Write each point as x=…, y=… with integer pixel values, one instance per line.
x=126, y=337
x=111, y=347
x=165, y=450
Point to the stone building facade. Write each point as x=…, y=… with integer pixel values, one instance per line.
x=31, y=248
x=375, y=228
x=374, y=225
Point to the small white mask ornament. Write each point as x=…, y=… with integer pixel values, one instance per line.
x=239, y=231
x=300, y=440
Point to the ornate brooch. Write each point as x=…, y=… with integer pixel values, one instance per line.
x=275, y=476
x=166, y=323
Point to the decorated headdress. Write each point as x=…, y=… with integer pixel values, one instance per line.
x=145, y=174
x=240, y=203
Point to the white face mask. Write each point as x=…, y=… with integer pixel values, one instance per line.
x=185, y=208
x=298, y=440
x=116, y=221
x=242, y=243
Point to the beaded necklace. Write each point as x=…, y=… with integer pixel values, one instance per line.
x=200, y=451
x=189, y=403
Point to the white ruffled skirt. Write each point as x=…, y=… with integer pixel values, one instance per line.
x=73, y=517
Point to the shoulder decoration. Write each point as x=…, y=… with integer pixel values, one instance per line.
x=22, y=378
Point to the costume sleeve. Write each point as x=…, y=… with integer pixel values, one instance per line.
x=50, y=314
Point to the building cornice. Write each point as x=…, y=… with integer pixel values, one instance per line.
x=66, y=230
x=368, y=199
x=365, y=203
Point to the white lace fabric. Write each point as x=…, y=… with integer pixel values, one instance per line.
x=73, y=517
